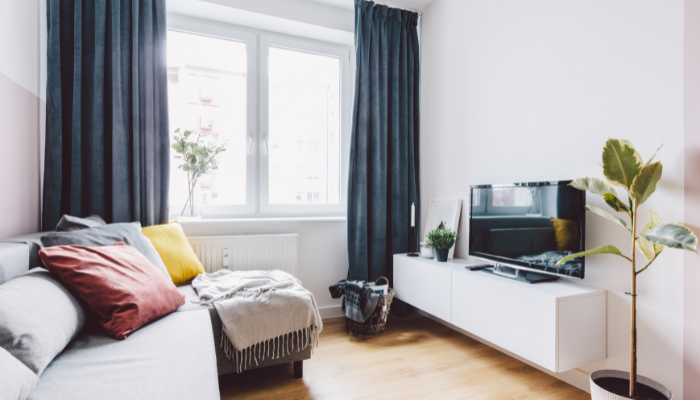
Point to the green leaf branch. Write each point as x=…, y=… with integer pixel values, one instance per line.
x=623, y=167
x=197, y=159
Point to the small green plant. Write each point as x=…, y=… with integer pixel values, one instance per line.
x=197, y=159
x=624, y=167
x=442, y=238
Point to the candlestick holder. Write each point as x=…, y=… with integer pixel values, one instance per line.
x=412, y=243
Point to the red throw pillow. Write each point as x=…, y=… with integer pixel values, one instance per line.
x=117, y=283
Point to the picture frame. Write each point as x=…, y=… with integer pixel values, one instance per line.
x=443, y=210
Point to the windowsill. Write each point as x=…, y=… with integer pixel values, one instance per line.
x=187, y=220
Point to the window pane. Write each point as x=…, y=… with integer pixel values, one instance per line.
x=509, y=197
x=476, y=197
x=207, y=83
x=304, y=123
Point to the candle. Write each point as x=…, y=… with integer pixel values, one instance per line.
x=413, y=215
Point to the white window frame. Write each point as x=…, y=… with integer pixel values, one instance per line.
x=257, y=179
x=324, y=49
x=250, y=39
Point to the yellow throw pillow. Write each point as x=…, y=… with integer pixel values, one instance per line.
x=567, y=234
x=177, y=254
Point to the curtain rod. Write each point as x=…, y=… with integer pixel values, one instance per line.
x=420, y=13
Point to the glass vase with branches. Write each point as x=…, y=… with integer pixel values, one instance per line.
x=197, y=159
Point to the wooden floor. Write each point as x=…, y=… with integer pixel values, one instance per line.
x=416, y=358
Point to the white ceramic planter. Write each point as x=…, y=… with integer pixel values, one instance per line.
x=598, y=393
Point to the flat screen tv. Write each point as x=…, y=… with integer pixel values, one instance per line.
x=529, y=226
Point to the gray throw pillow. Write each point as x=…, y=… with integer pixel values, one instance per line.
x=38, y=318
x=69, y=223
x=108, y=235
x=16, y=380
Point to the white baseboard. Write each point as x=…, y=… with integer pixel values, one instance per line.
x=574, y=377
x=331, y=312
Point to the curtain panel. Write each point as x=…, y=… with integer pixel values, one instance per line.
x=384, y=167
x=107, y=141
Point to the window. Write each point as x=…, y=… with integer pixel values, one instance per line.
x=304, y=106
x=513, y=197
x=281, y=107
x=208, y=95
x=205, y=93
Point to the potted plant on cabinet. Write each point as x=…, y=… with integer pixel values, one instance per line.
x=442, y=239
x=623, y=167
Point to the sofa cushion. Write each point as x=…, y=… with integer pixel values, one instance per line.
x=38, y=318
x=107, y=235
x=567, y=234
x=16, y=380
x=69, y=223
x=171, y=358
x=33, y=240
x=121, y=288
x=177, y=254
x=14, y=260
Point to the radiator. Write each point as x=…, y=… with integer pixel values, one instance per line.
x=248, y=252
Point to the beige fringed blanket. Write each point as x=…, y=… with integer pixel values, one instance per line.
x=262, y=313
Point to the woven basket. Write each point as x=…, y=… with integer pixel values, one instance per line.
x=376, y=323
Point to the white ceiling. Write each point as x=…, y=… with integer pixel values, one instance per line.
x=349, y=4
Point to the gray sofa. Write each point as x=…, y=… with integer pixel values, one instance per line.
x=177, y=356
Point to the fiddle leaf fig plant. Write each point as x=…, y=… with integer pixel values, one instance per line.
x=623, y=167
x=197, y=159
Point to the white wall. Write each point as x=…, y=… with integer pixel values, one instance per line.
x=691, y=325
x=530, y=91
x=323, y=251
x=21, y=106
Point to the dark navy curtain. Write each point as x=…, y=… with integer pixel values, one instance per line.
x=107, y=142
x=383, y=173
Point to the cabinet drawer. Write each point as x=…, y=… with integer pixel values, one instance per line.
x=509, y=315
x=423, y=284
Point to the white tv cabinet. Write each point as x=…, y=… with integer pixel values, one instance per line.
x=557, y=325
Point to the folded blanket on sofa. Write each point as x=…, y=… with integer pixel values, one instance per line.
x=260, y=311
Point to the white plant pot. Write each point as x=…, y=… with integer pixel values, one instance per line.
x=598, y=393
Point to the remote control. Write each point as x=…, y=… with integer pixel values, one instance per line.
x=478, y=267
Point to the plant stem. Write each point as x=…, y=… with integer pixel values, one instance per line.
x=633, y=319
x=648, y=264
x=190, y=179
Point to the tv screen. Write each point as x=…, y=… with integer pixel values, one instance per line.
x=529, y=226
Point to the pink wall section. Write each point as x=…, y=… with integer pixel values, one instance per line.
x=19, y=160
x=691, y=275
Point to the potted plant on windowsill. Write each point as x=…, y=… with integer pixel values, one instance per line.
x=442, y=239
x=623, y=167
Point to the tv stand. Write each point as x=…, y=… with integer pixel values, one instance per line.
x=519, y=275
x=556, y=325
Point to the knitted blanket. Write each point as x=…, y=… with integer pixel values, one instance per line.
x=261, y=312
x=360, y=300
